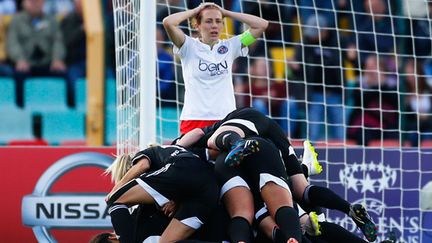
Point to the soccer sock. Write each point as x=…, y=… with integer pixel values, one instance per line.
x=239, y=230
x=305, y=170
x=226, y=139
x=122, y=222
x=324, y=197
x=335, y=233
x=287, y=220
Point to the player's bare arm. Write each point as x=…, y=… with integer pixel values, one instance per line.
x=191, y=137
x=256, y=24
x=171, y=23
x=140, y=167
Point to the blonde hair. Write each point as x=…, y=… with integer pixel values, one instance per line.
x=119, y=167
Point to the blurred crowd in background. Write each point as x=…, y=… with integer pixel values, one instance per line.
x=336, y=70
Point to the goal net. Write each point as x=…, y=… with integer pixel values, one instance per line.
x=354, y=77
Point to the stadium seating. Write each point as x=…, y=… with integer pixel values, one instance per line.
x=15, y=124
x=110, y=93
x=7, y=91
x=45, y=94
x=110, y=126
x=168, y=123
x=81, y=94
x=59, y=126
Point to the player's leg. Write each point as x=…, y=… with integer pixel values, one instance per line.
x=129, y=194
x=280, y=206
x=224, y=142
x=238, y=201
x=239, y=204
x=269, y=175
x=176, y=231
x=310, y=195
x=310, y=160
x=230, y=139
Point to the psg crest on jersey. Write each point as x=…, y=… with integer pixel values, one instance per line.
x=222, y=49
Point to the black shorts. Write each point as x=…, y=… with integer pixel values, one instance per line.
x=228, y=177
x=254, y=172
x=264, y=166
x=190, y=182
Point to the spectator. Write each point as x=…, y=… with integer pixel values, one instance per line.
x=279, y=13
x=58, y=7
x=416, y=24
x=7, y=7
x=418, y=103
x=321, y=71
x=374, y=34
x=5, y=69
x=376, y=107
x=35, y=45
x=75, y=41
x=269, y=96
x=166, y=78
x=327, y=9
x=110, y=59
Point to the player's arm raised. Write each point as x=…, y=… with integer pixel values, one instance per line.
x=171, y=24
x=256, y=24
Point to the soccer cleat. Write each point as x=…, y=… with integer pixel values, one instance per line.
x=239, y=150
x=313, y=227
x=363, y=221
x=292, y=240
x=310, y=159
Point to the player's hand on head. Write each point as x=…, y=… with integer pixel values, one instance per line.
x=204, y=5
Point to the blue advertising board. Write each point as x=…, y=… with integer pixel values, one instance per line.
x=387, y=182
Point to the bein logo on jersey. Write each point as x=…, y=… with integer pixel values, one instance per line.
x=43, y=210
x=368, y=177
x=222, y=49
x=213, y=68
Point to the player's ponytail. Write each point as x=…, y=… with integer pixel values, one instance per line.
x=119, y=167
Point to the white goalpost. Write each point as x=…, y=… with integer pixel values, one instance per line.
x=135, y=51
x=354, y=77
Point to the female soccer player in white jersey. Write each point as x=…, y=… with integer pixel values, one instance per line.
x=207, y=61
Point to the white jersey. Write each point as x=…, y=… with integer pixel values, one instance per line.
x=207, y=74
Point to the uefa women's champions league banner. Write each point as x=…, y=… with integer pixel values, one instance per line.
x=388, y=182
x=57, y=194
x=54, y=194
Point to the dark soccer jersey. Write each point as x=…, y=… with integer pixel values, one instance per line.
x=252, y=123
x=159, y=156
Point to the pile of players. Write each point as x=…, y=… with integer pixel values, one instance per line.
x=238, y=180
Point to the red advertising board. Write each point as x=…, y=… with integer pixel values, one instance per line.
x=53, y=192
